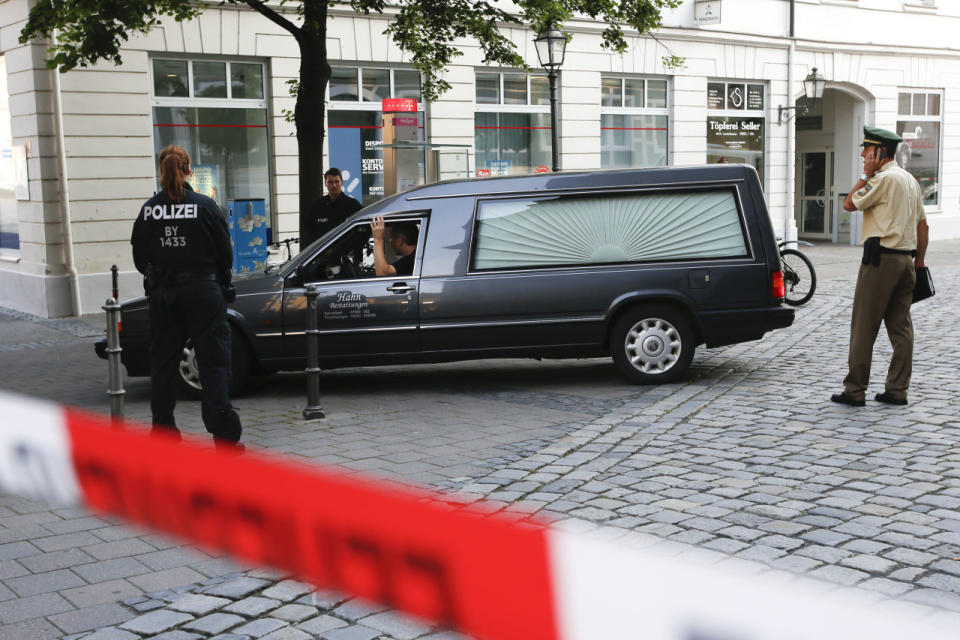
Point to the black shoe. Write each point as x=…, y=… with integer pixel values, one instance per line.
x=843, y=398
x=886, y=398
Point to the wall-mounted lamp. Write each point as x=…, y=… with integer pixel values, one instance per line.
x=813, y=86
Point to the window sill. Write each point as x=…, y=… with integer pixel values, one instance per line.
x=9, y=257
x=914, y=7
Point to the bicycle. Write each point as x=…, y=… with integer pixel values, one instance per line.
x=799, y=276
x=286, y=243
x=276, y=245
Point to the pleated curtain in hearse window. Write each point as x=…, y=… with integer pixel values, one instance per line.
x=540, y=232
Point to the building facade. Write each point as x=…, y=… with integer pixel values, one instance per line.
x=78, y=150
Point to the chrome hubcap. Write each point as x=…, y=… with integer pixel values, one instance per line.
x=653, y=345
x=189, y=369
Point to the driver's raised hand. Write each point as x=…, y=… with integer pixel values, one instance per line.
x=377, y=227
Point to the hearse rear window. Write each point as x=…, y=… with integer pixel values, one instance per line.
x=558, y=231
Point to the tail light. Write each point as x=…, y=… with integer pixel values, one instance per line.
x=779, y=290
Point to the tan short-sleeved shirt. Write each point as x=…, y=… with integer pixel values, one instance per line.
x=892, y=205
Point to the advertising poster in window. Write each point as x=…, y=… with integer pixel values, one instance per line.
x=735, y=140
x=355, y=149
x=736, y=96
x=372, y=174
x=345, y=154
x=715, y=95
x=205, y=180
x=920, y=154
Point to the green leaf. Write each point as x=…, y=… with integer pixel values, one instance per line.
x=88, y=31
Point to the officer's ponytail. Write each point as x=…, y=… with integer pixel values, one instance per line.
x=174, y=169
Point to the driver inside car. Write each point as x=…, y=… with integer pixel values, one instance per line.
x=403, y=241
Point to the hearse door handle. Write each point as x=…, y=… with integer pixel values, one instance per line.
x=401, y=287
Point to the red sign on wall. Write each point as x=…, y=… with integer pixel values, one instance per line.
x=406, y=105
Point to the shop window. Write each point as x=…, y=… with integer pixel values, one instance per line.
x=919, y=120
x=171, y=78
x=633, y=122
x=13, y=179
x=246, y=80
x=210, y=79
x=512, y=133
x=215, y=109
x=354, y=123
x=736, y=123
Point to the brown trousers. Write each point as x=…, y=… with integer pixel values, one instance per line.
x=884, y=293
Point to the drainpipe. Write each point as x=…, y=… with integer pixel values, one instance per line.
x=65, y=195
x=789, y=223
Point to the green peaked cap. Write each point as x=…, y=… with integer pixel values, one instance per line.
x=878, y=136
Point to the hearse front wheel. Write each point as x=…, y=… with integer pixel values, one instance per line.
x=652, y=344
x=240, y=369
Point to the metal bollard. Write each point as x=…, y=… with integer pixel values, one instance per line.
x=115, y=389
x=313, y=409
x=115, y=279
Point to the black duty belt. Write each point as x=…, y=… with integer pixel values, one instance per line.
x=181, y=277
x=902, y=252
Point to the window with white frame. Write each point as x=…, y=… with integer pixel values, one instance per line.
x=512, y=133
x=216, y=109
x=919, y=120
x=633, y=122
x=736, y=123
x=10, y=179
x=355, y=120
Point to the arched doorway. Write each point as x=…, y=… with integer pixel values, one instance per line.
x=827, y=163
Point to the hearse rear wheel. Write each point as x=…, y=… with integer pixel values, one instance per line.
x=652, y=344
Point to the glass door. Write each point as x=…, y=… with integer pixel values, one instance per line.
x=815, y=204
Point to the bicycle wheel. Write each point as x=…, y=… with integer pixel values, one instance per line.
x=799, y=278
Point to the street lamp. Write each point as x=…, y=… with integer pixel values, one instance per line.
x=813, y=86
x=551, y=46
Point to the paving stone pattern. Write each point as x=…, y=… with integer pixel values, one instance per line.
x=744, y=460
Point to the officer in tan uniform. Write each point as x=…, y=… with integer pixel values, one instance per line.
x=894, y=236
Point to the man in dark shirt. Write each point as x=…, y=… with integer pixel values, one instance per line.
x=333, y=208
x=403, y=241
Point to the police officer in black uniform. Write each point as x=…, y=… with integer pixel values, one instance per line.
x=333, y=208
x=182, y=246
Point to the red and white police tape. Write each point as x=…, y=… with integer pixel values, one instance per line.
x=420, y=552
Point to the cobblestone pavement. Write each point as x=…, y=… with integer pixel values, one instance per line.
x=745, y=459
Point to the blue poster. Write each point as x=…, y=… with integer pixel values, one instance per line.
x=345, y=150
x=499, y=167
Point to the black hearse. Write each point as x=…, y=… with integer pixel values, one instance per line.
x=641, y=265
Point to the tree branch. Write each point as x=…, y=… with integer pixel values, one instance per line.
x=271, y=15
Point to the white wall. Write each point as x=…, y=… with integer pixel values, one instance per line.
x=107, y=121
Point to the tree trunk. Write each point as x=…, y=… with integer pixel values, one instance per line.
x=309, y=112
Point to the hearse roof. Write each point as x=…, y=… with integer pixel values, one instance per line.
x=581, y=180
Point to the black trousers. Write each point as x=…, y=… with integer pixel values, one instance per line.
x=194, y=310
